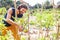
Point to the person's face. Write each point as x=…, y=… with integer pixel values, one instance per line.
x=23, y=10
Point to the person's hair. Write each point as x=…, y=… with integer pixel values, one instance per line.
x=22, y=6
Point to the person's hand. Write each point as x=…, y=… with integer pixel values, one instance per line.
x=21, y=28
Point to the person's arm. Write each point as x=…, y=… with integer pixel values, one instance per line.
x=9, y=16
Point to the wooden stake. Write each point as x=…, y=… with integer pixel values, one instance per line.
x=15, y=8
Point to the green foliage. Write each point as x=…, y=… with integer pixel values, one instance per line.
x=18, y=3
x=23, y=38
x=32, y=23
x=7, y=3
x=2, y=26
x=2, y=38
x=8, y=36
x=45, y=19
x=3, y=10
x=43, y=38
x=54, y=35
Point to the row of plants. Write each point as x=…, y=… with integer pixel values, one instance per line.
x=45, y=19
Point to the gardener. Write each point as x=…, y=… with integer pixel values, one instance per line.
x=9, y=22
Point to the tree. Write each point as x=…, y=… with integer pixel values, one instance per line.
x=37, y=5
x=6, y=3
x=47, y=5
x=18, y=3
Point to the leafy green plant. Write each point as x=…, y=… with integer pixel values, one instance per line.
x=42, y=38
x=8, y=36
x=2, y=26
x=54, y=35
x=23, y=38
x=3, y=10
x=2, y=38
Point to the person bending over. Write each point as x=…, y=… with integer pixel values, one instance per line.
x=9, y=22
